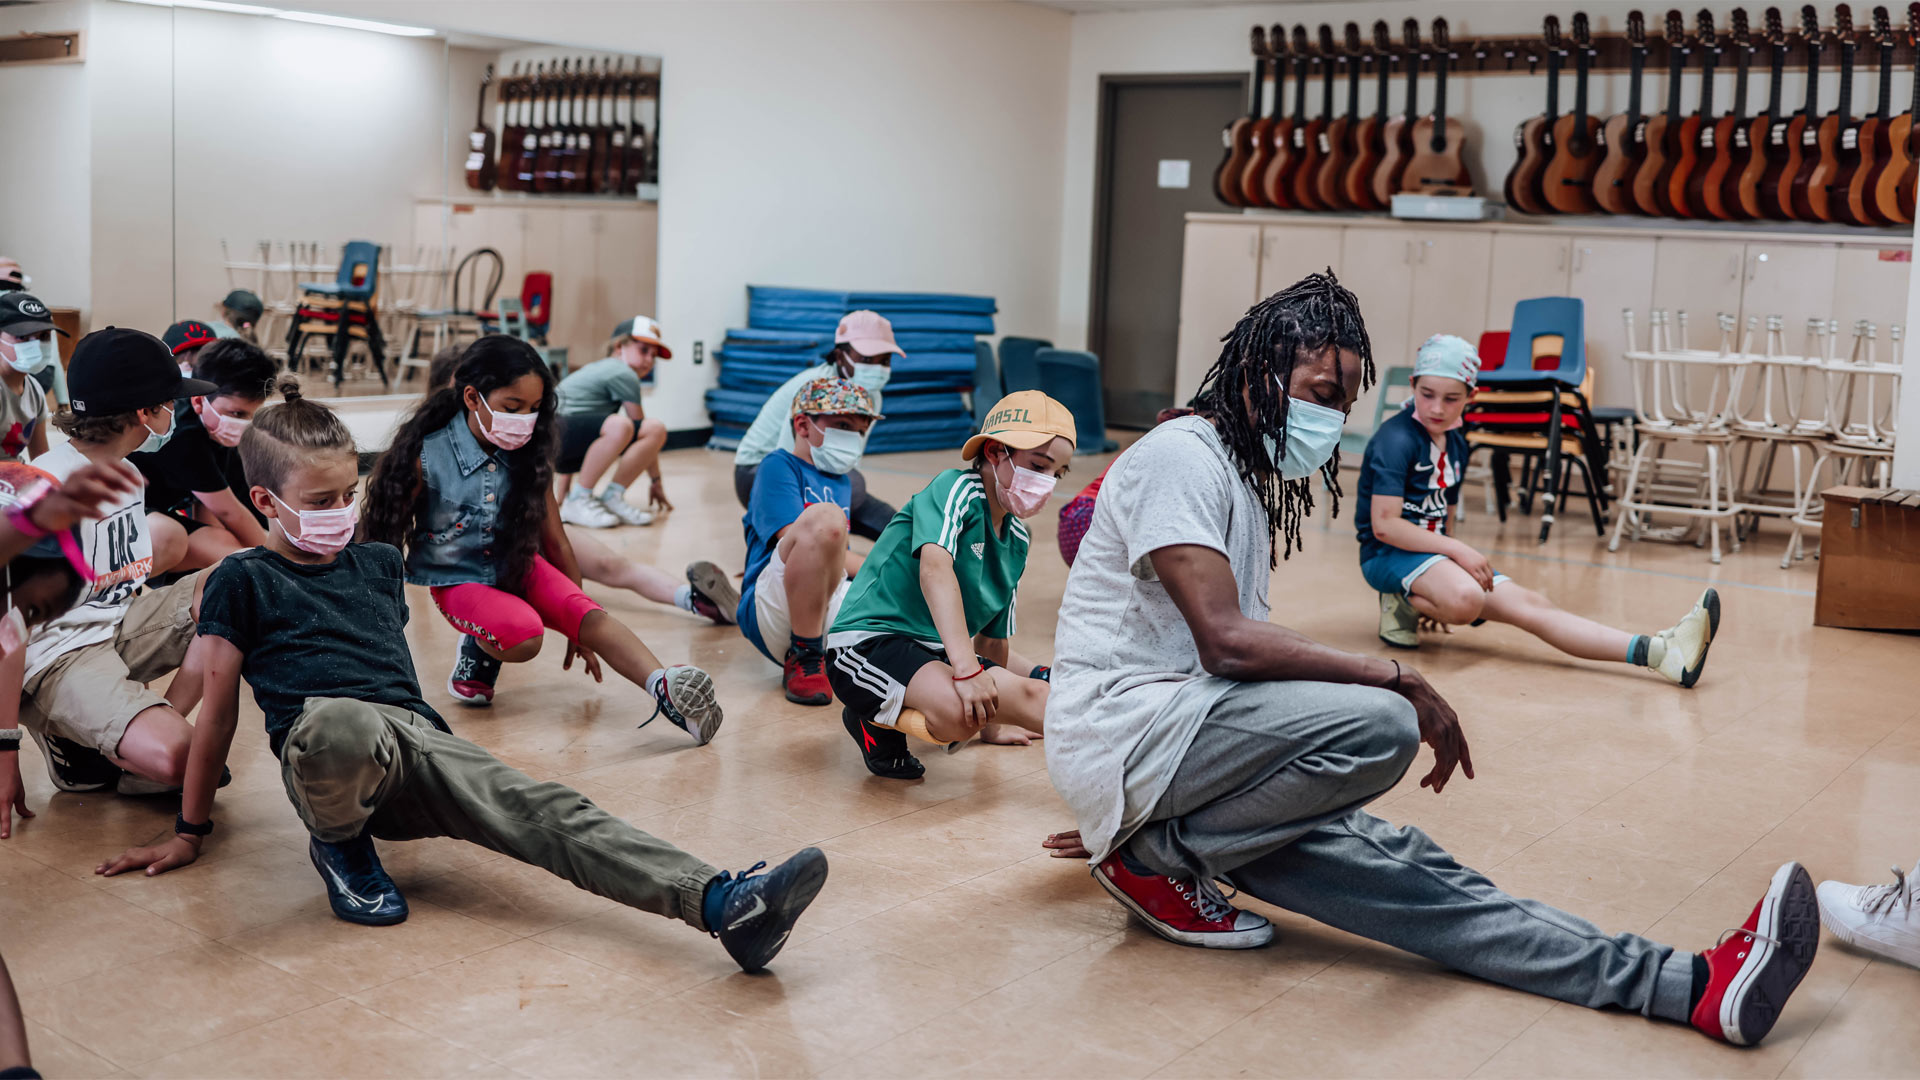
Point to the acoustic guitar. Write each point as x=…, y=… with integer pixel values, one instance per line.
x=1576, y=137
x=1869, y=154
x=1338, y=141
x=1701, y=191
x=1533, y=137
x=1261, y=138
x=1439, y=141
x=1399, y=134
x=1743, y=187
x=638, y=164
x=1733, y=146
x=1893, y=188
x=527, y=162
x=1370, y=139
x=1276, y=184
x=1686, y=163
x=1310, y=142
x=1651, y=183
x=1237, y=136
x=480, y=164
x=1803, y=130
x=1820, y=141
x=1625, y=134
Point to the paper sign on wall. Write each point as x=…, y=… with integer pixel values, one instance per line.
x=1175, y=174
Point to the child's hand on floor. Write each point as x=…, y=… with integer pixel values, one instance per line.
x=1007, y=735
x=588, y=661
x=1429, y=623
x=169, y=854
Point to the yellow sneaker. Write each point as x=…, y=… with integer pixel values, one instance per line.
x=1399, y=623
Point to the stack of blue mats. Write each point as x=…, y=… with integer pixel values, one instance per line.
x=791, y=329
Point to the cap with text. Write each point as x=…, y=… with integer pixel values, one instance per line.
x=1023, y=420
x=23, y=315
x=118, y=370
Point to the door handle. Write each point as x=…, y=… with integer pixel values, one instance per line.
x=1580, y=258
x=1753, y=268
x=1562, y=264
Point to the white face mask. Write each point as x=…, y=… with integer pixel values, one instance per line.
x=322, y=532
x=839, y=450
x=1313, y=434
x=1027, y=492
x=872, y=377
x=225, y=430
x=508, y=431
x=157, y=439
x=31, y=355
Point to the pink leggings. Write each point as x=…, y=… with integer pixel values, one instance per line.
x=501, y=619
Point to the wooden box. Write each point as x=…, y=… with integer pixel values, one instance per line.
x=1869, y=560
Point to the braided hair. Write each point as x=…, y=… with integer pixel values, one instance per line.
x=1244, y=394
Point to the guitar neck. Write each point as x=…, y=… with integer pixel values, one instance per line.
x=1742, y=61
x=1439, y=141
x=1253, y=93
x=1413, y=88
x=1580, y=88
x=1775, y=107
x=1553, y=83
x=1885, y=107
x=1326, y=89
x=1813, y=82
x=1353, y=87
x=1676, y=65
x=1636, y=65
x=1845, y=111
x=1300, y=91
x=1385, y=74
x=1706, y=85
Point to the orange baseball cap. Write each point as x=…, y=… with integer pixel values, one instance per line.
x=1023, y=420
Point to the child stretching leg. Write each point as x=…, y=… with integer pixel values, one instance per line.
x=465, y=490
x=1410, y=482
x=316, y=625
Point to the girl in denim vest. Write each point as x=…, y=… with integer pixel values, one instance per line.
x=465, y=490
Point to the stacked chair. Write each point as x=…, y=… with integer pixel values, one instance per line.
x=1862, y=401
x=792, y=329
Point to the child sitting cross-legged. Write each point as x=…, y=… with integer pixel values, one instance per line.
x=921, y=644
x=316, y=626
x=1410, y=482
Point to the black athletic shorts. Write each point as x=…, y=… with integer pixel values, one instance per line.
x=871, y=678
x=576, y=434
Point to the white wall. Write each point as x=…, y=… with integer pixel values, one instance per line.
x=1215, y=39
x=829, y=144
x=44, y=219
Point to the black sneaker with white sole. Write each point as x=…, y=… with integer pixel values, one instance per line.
x=752, y=916
x=358, y=887
x=474, y=674
x=883, y=749
x=686, y=699
x=74, y=766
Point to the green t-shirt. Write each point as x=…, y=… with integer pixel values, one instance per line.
x=952, y=512
x=599, y=388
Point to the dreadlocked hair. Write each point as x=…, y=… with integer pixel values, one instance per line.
x=397, y=492
x=1244, y=394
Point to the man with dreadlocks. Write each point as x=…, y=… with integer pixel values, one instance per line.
x=1197, y=742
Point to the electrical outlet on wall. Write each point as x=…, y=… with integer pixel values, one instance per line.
x=699, y=351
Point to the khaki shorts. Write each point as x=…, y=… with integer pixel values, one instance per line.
x=92, y=693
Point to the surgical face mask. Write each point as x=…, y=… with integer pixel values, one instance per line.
x=226, y=430
x=839, y=450
x=508, y=431
x=157, y=439
x=1027, y=492
x=871, y=377
x=31, y=355
x=322, y=532
x=1313, y=434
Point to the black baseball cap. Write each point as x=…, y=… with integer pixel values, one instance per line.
x=23, y=315
x=118, y=370
x=189, y=334
x=244, y=303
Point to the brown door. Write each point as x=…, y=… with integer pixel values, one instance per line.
x=1159, y=144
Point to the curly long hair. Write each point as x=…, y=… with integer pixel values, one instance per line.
x=1244, y=394
x=397, y=492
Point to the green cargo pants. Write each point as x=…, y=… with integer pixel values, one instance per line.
x=352, y=766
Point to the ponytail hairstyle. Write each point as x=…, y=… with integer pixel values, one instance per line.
x=397, y=493
x=290, y=434
x=1244, y=394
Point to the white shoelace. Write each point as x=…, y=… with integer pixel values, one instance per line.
x=1205, y=897
x=1880, y=899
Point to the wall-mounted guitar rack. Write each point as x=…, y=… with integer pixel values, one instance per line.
x=1611, y=52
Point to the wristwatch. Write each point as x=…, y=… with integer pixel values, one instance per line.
x=10, y=739
x=186, y=828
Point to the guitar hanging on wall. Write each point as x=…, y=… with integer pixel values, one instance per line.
x=1651, y=182
x=1533, y=138
x=1823, y=146
x=1437, y=166
x=1625, y=134
x=1370, y=141
x=1870, y=152
x=1568, y=182
x=1743, y=184
x=1399, y=134
x=1697, y=146
x=1339, y=145
x=480, y=163
x=1311, y=142
x=1236, y=136
x=1261, y=137
x=1732, y=147
x=1276, y=185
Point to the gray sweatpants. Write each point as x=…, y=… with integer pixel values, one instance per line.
x=1269, y=797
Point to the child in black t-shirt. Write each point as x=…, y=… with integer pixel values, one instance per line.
x=197, y=506
x=315, y=624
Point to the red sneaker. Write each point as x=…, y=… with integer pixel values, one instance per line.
x=1753, y=970
x=1177, y=911
x=806, y=677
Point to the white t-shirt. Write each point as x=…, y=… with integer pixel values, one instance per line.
x=121, y=554
x=773, y=428
x=1129, y=691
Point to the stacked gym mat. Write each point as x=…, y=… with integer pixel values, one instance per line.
x=791, y=329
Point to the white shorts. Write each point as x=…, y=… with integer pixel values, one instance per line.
x=770, y=608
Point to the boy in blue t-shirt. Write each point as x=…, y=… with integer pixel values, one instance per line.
x=798, y=565
x=1410, y=483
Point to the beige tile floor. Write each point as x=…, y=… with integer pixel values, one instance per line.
x=945, y=941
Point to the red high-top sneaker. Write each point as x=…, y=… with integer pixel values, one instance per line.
x=1754, y=969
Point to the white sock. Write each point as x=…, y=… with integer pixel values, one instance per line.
x=579, y=492
x=653, y=681
x=683, y=598
x=613, y=492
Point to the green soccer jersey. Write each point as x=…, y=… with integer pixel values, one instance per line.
x=952, y=512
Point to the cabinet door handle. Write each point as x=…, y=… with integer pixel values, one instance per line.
x=1754, y=267
x=1406, y=257
x=1580, y=258
x=1562, y=265
x=1424, y=245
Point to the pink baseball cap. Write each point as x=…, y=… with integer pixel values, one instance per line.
x=868, y=332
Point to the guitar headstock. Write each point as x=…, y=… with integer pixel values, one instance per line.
x=1327, y=48
x=1913, y=25
x=1354, y=48
x=1383, y=38
x=1582, y=32
x=1260, y=51
x=1882, y=28
x=1301, y=48
x=1709, y=37
x=1810, y=26
x=1550, y=33
x=1742, y=34
x=1440, y=39
x=1637, y=31
x=1676, y=30
x=1277, y=43
x=486, y=77
x=1843, y=24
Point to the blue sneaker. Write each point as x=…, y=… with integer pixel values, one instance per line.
x=752, y=916
x=357, y=886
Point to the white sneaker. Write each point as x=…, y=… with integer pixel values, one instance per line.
x=582, y=509
x=615, y=502
x=1882, y=919
x=1689, y=639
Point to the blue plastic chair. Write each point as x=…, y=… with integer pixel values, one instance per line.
x=358, y=277
x=986, y=382
x=1563, y=317
x=1017, y=369
x=1073, y=379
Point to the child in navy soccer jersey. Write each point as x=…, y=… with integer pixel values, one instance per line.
x=1410, y=482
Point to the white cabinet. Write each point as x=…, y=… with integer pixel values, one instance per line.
x=1611, y=274
x=1871, y=283
x=1413, y=283
x=1219, y=280
x=1703, y=279
x=1524, y=266
x=1288, y=254
x=1793, y=280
